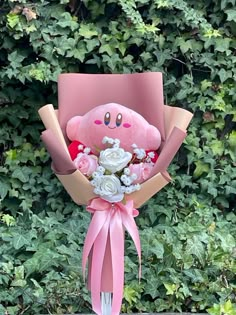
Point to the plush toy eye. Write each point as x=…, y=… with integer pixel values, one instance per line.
x=107, y=118
x=118, y=120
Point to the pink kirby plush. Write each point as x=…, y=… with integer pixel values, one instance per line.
x=114, y=121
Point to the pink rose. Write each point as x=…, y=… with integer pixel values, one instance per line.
x=86, y=164
x=141, y=170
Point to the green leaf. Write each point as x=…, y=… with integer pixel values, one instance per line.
x=232, y=140
x=224, y=75
x=217, y=147
x=171, y=288
x=8, y=220
x=231, y=15
x=13, y=19
x=18, y=283
x=4, y=188
x=19, y=240
x=157, y=249
x=222, y=44
x=19, y=272
x=87, y=30
x=201, y=168
x=151, y=288
x=196, y=248
x=21, y=175
x=107, y=49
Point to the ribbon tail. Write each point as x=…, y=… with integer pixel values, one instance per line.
x=131, y=227
x=99, y=248
x=117, y=256
x=95, y=227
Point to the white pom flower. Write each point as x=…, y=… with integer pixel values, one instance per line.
x=87, y=150
x=151, y=155
x=127, y=171
x=100, y=169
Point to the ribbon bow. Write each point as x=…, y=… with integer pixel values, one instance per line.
x=107, y=226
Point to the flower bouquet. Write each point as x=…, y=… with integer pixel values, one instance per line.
x=112, y=159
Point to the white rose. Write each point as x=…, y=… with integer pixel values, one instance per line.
x=109, y=188
x=114, y=159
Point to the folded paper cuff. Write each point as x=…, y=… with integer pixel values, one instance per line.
x=62, y=162
x=81, y=191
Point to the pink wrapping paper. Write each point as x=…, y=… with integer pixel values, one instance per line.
x=78, y=93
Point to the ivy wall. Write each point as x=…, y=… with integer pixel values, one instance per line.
x=188, y=229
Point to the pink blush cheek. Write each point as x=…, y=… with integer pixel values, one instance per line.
x=98, y=122
x=126, y=125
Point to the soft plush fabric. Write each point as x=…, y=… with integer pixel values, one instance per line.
x=114, y=121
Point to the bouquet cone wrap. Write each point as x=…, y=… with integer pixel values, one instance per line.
x=104, y=243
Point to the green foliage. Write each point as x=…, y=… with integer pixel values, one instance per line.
x=188, y=229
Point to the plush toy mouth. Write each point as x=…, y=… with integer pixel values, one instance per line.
x=111, y=127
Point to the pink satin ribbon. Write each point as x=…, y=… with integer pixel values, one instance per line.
x=109, y=221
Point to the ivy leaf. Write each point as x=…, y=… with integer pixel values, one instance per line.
x=195, y=247
x=152, y=289
x=19, y=240
x=231, y=15
x=87, y=30
x=19, y=174
x=217, y=147
x=13, y=19
x=171, y=288
x=232, y=140
x=157, y=249
x=224, y=75
x=201, y=168
x=19, y=283
x=4, y=188
x=107, y=49
x=222, y=44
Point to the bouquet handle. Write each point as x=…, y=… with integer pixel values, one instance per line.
x=106, y=302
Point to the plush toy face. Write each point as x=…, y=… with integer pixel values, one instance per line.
x=114, y=121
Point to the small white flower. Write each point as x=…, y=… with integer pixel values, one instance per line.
x=127, y=171
x=95, y=174
x=134, y=176
x=128, y=190
x=80, y=146
x=134, y=145
x=140, y=153
x=117, y=141
x=151, y=155
x=104, y=140
x=100, y=169
x=87, y=150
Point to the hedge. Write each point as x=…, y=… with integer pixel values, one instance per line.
x=188, y=229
